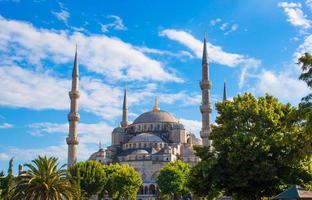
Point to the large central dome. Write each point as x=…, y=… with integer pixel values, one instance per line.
x=155, y=116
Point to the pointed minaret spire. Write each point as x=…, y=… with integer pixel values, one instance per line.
x=156, y=108
x=205, y=107
x=224, y=91
x=124, y=122
x=73, y=116
x=100, y=145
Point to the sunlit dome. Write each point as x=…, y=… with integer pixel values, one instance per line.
x=158, y=116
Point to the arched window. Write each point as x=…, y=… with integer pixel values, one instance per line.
x=145, y=190
x=152, y=189
x=151, y=126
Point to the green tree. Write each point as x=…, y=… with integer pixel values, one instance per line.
x=7, y=182
x=260, y=147
x=123, y=181
x=203, y=180
x=90, y=176
x=44, y=180
x=306, y=66
x=305, y=107
x=172, y=179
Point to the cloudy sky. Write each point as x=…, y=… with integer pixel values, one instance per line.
x=151, y=47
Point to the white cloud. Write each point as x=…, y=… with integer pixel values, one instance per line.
x=165, y=53
x=4, y=156
x=58, y=151
x=89, y=137
x=117, y=24
x=41, y=90
x=283, y=85
x=224, y=26
x=232, y=29
x=309, y=4
x=62, y=14
x=5, y=125
x=87, y=133
x=306, y=46
x=20, y=41
x=182, y=97
x=215, y=53
x=214, y=22
x=295, y=14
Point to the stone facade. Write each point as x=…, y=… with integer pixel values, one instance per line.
x=154, y=139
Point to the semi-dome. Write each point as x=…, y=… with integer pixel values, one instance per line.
x=139, y=151
x=155, y=116
x=145, y=137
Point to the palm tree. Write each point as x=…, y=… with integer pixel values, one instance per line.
x=44, y=181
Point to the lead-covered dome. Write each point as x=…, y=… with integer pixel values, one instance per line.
x=155, y=116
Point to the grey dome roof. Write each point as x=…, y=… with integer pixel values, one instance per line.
x=140, y=151
x=118, y=130
x=158, y=116
x=98, y=154
x=146, y=137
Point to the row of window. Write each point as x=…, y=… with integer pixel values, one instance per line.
x=144, y=157
x=145, y=145
x=152, y=127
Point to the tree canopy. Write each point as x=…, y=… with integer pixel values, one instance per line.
x=260, y=146
x=44, y=180
x=90, y=177
x=172, y=179
x=123, y=181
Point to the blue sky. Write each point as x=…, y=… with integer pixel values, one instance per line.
x=151, y=47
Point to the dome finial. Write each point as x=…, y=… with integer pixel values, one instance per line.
x=156, y=108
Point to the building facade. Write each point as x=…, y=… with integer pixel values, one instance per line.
x=154, y=139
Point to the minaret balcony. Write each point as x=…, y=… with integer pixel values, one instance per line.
x=74, y=94
x=72, y=141
x=205, y=85
x=205, y=108
x=73, y=116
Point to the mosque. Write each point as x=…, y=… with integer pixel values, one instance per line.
x=154, y=139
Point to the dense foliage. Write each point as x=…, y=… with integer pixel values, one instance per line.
x=7, y=183
x=123, y=181
x=44, y=180
x=260, y=146
x=89, y=176
x=173, y=178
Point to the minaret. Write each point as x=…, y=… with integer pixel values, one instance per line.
x=205, y=107
x=224, y=91
x=124, y=122
x=73, y=116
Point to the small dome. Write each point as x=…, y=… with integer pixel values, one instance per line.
x=146, y=137
x=118, y=130
x=139, y=151
x=98, y=154
x=155, y=116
